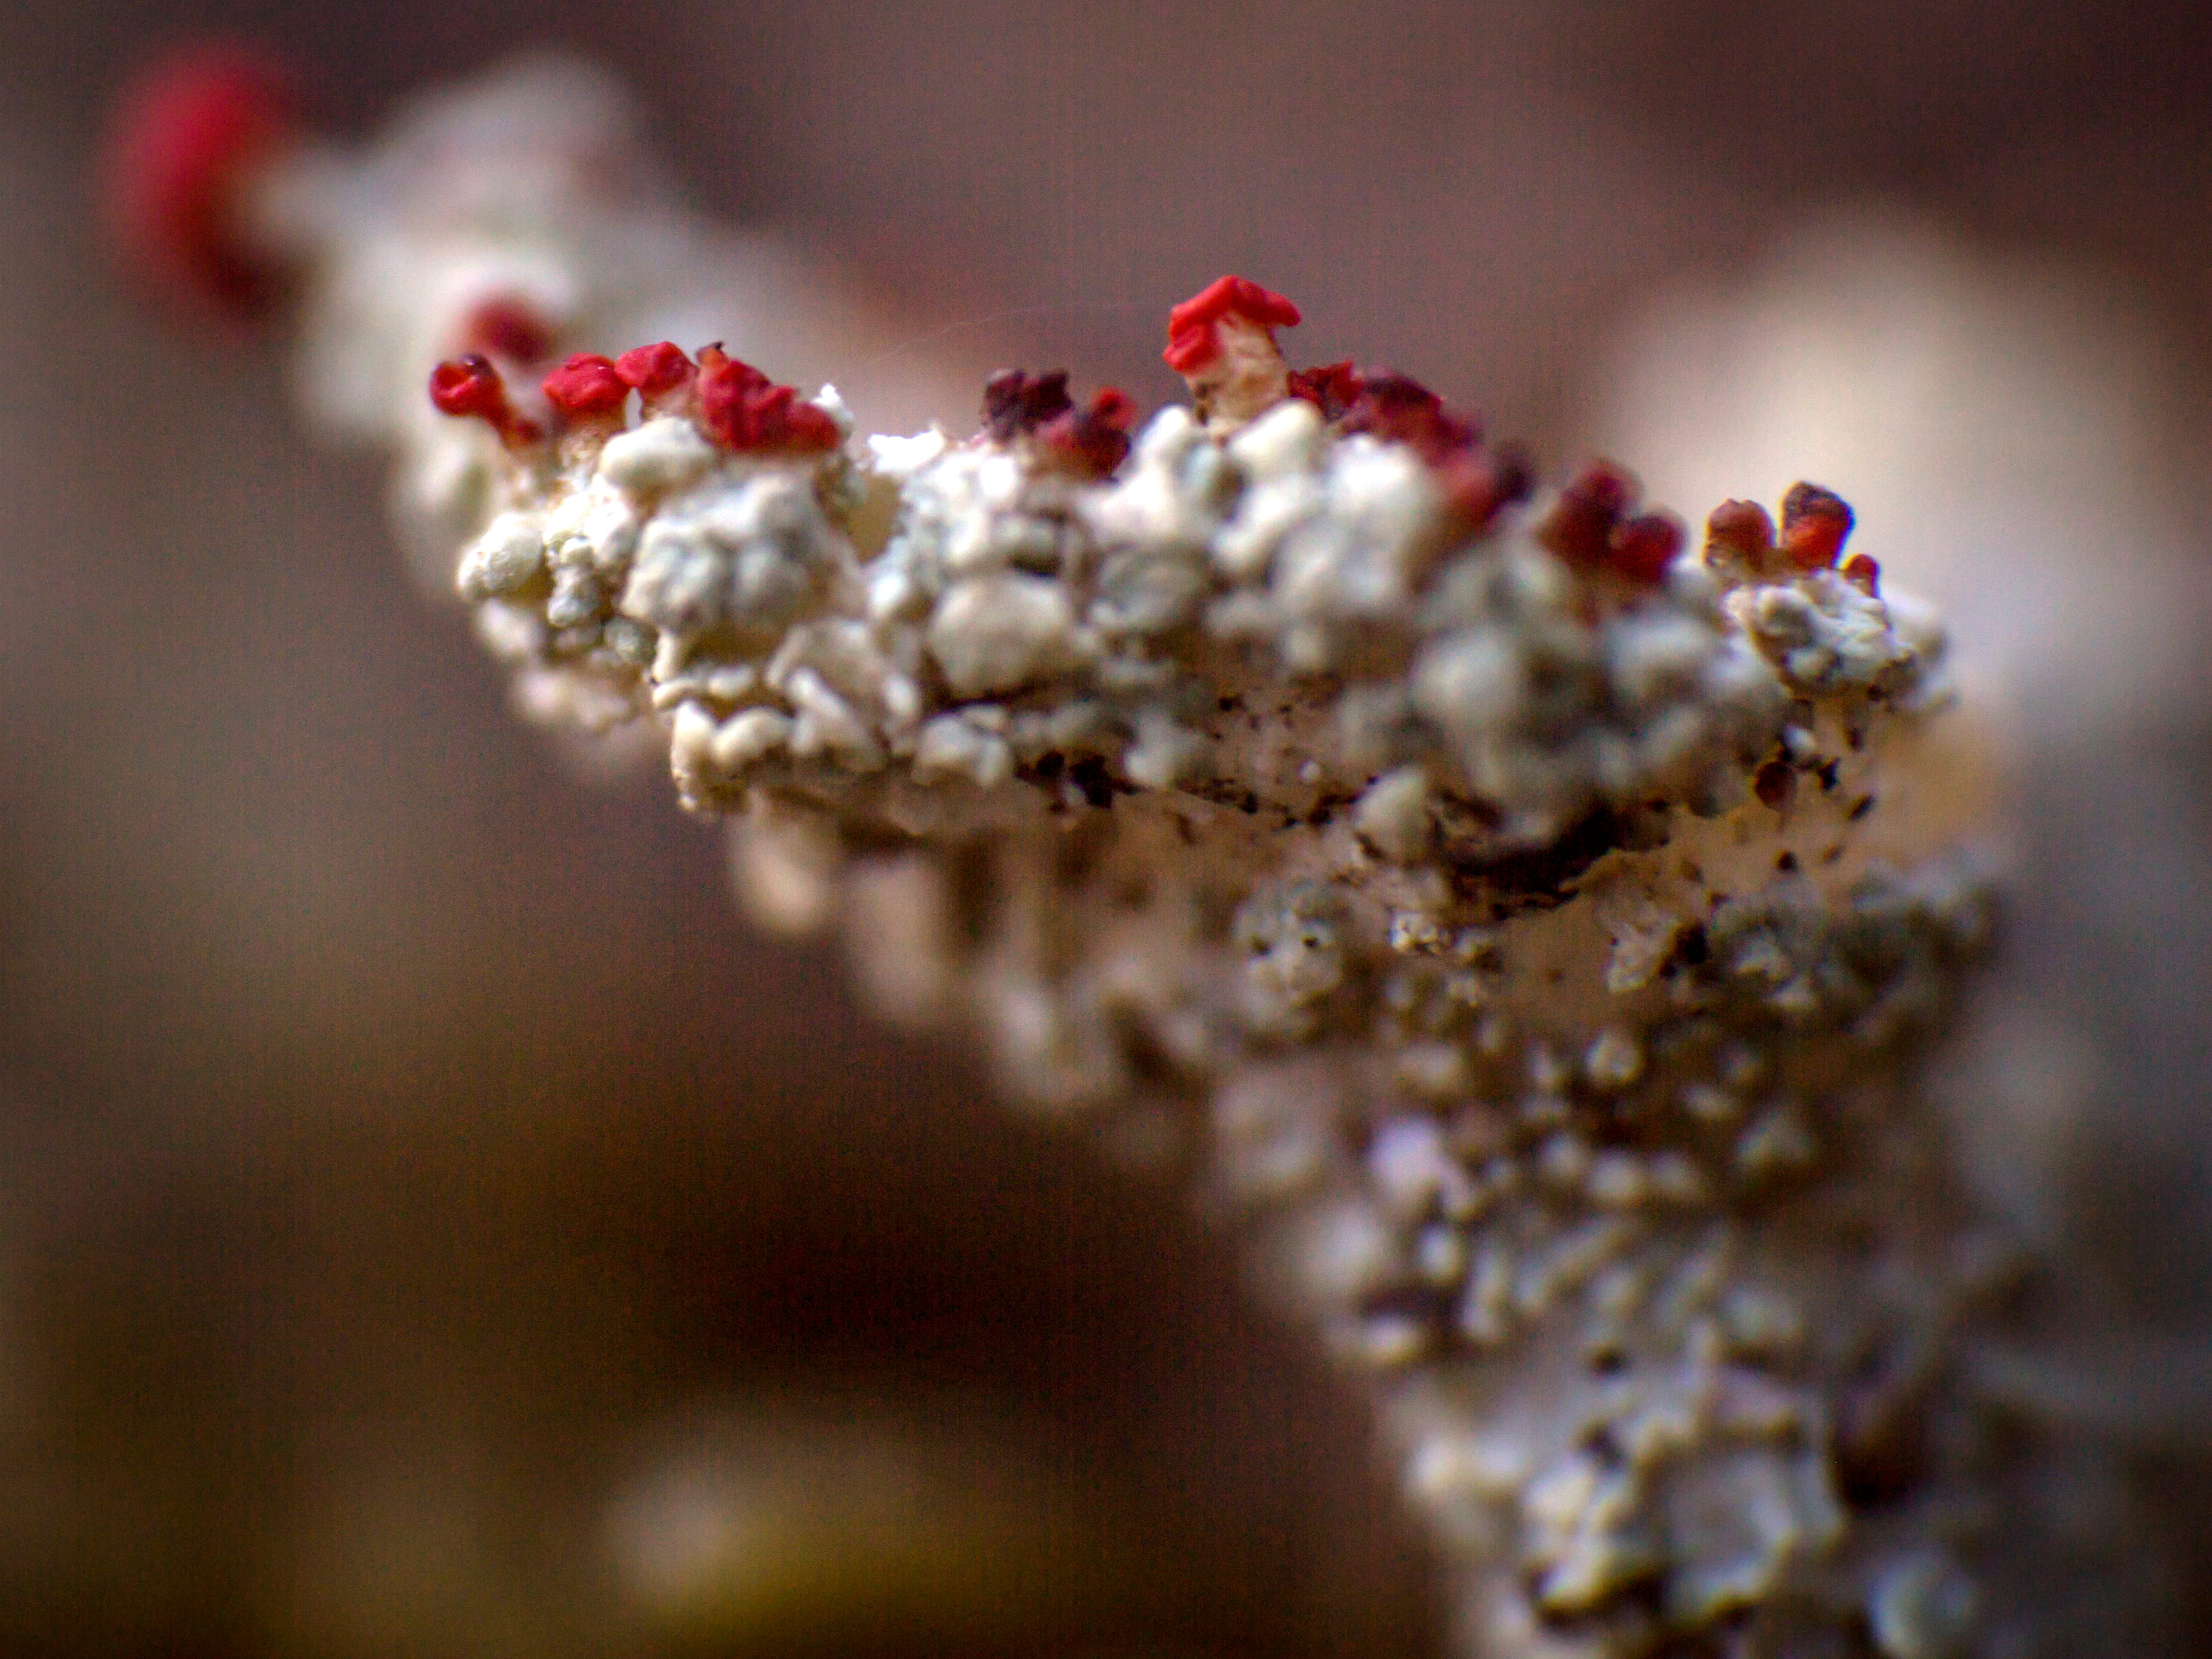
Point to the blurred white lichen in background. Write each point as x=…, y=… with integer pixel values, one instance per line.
x=734, y=1524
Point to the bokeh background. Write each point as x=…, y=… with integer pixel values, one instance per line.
x=430, y=1223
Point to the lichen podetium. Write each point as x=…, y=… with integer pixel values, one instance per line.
x=1528, y=925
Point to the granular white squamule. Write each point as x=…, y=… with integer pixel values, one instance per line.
x=1525, y=924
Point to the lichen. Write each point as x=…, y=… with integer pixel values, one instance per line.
x=1527, y=927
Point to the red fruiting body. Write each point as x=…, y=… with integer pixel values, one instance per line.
x=470, y=387
x=1096, y=440
x=1814, y=522
x=467, y=386
x=1193, y=342
x=185, y=138
x=1579, y=527
x=1332, y=388
x=1400, y=408
x=587, y=385
x=746, y=411
x=1588, y=527
x=1864, y=573
x=1480, y=483
x=1111, y=406
x=1015, y=402
x=1093, y=440
x=655, y=371
x=508, y=328
x=1642, y=548
x=1743, y=529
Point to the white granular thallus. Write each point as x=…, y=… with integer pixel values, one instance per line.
x=1400, y=887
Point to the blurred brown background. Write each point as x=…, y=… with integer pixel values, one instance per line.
x=403, y=1147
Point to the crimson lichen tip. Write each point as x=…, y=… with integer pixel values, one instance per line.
x=1400, y=408
x=1643, y=548
x=1579, y=528
x=747, y=412
x=656, y=370
x=469, y=387
x=504, y=326
x=1815, y=522
x=1590, y=527
x=1332, y=388
x=1015, y=402
x=1193, y=326
x=1741, y=529
x=1094, y=440
x=587, y=385
x=183, y=140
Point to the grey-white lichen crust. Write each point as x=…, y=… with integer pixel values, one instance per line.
x=1536, y=957
x=1410, y=884
x=1018, y=613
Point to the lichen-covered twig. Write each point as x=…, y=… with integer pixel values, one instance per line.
x=1529, y=928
